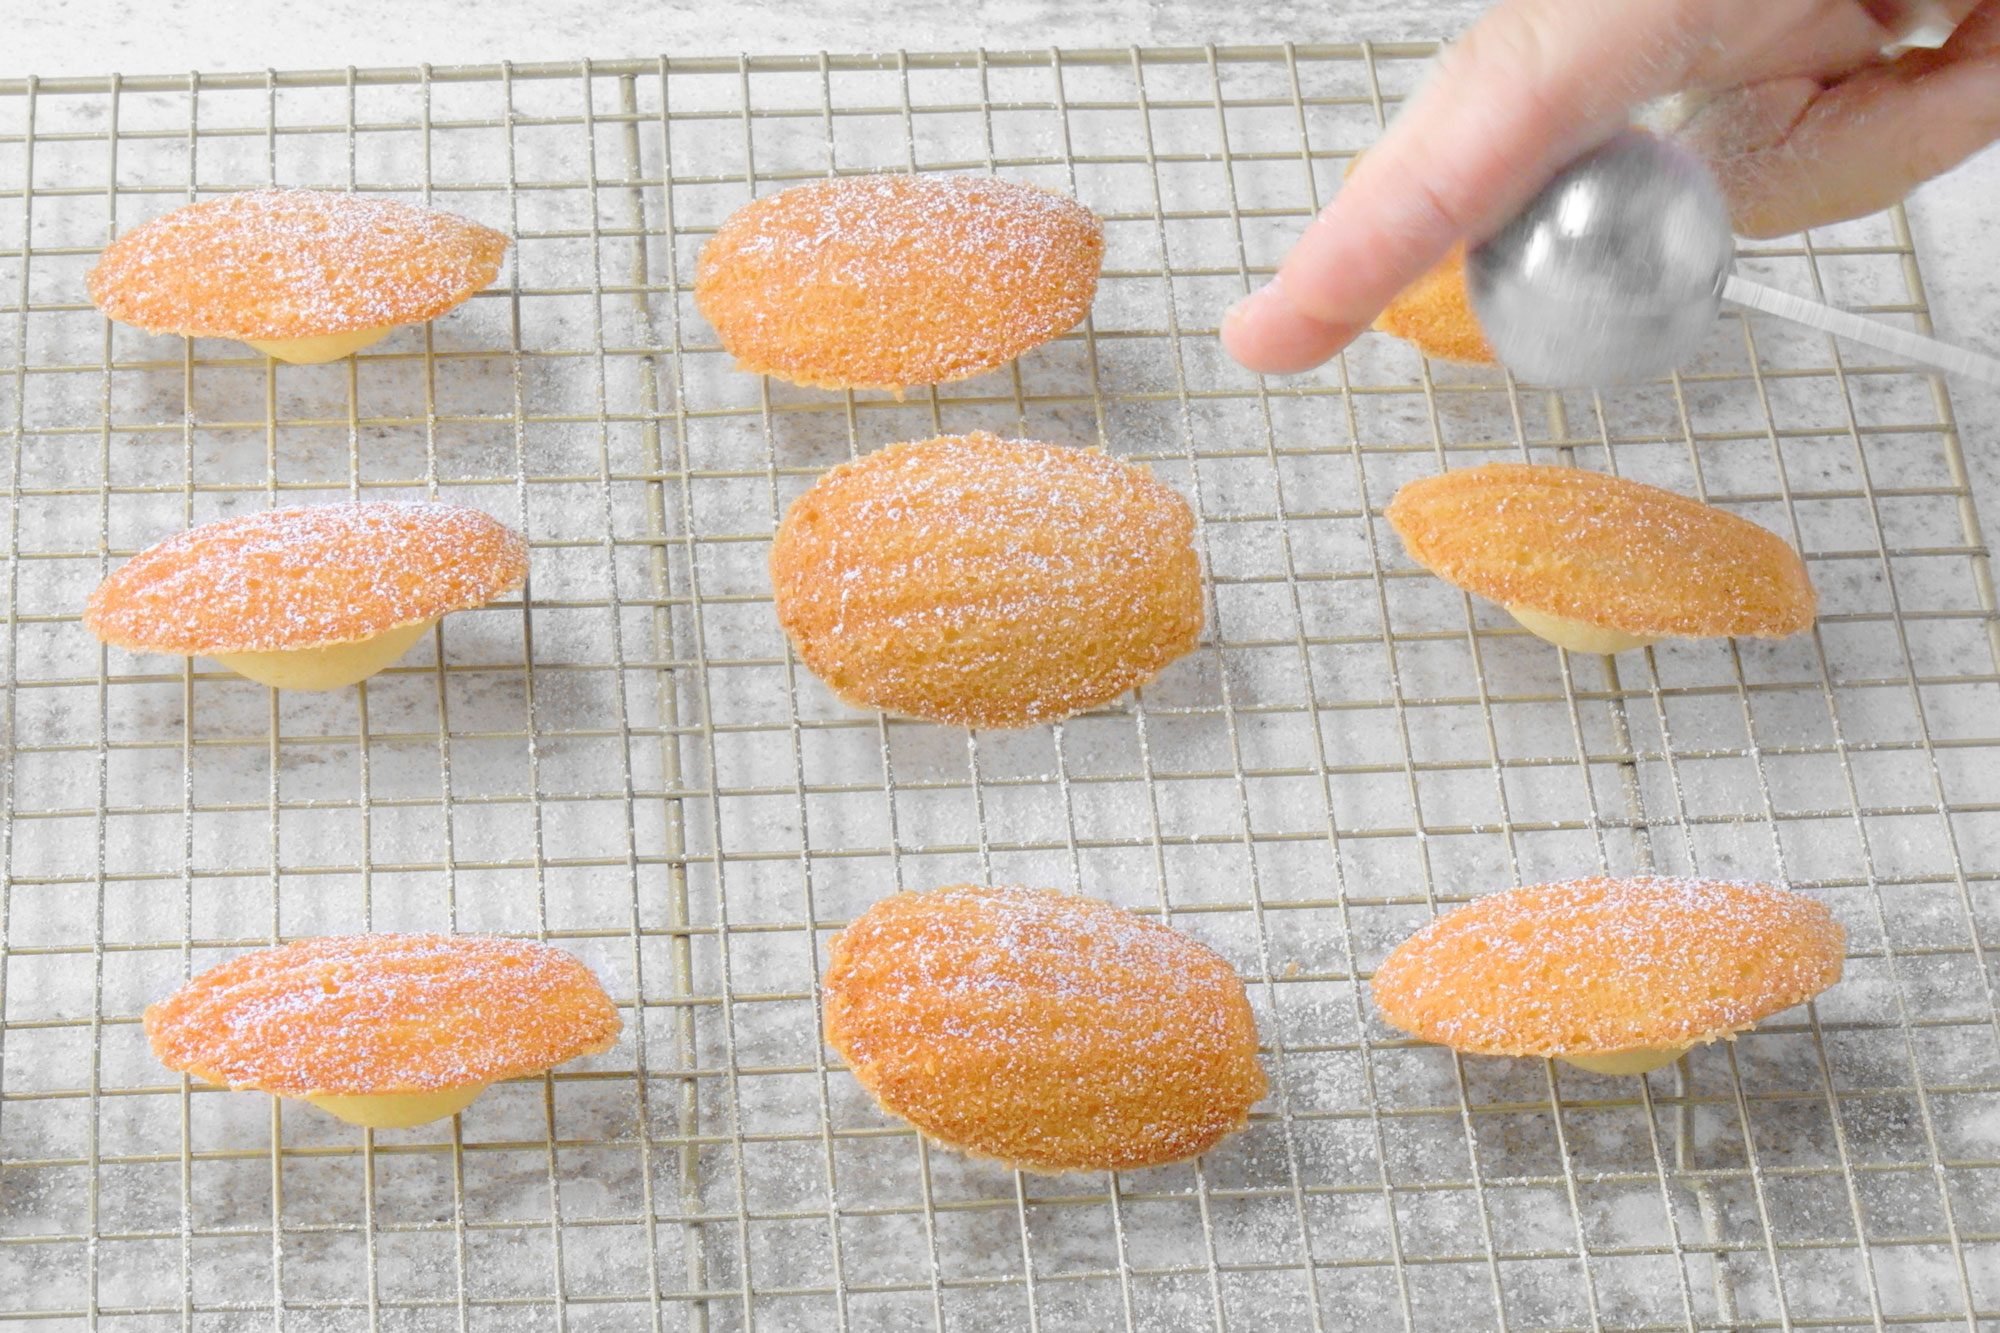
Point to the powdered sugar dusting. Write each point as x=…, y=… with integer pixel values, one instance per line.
x=1434, y=314
x=275, y=264
x=306, y=577
x=887, y=281
x=1043, y=1029
x=361, y=1014
x=987, y=582
x=1601, y=965
x=1603, y=550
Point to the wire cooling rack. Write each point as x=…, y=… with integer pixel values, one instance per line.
x=634, y=767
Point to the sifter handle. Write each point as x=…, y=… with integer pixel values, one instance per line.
x=1873, y=333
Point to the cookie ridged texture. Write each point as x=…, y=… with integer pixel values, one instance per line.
x=987, y=582
x=361, y=1015
x=1598, y=966
x=278, y=264
x=1043, y=1030
x=888, y=281
x=1434, y=315
x=1610, y=552
x=308, y=577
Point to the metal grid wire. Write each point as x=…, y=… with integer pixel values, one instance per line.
x=632, y=766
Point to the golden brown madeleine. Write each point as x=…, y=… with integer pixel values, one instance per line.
x=384, y=1030
x=307, y=598
x=304, y=275
x=1615, y=975
x=987, y=582
x=1043, y=1030
x=1434, y=315
x=887, y=281
x=1600, y=564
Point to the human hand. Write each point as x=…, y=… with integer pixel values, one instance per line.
x=1809, y=124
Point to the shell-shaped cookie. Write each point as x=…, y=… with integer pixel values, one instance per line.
x=275, y=265
x=1593, y=548
x=987, y=582
x=1434, y=314
x=1596, y=967
x=1043, y=1030
x=283, y=579
x=367, y=1015
x=887, y=281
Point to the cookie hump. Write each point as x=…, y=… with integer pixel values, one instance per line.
x=1598, y=549
x=277, y=265
x=286, y=579
x=1597, y=967
x=369, y=1015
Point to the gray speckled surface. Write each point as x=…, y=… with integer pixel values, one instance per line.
x=1354, y=744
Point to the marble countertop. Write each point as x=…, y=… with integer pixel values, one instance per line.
x=1952, y=218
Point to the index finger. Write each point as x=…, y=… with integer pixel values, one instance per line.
x=1525, y=90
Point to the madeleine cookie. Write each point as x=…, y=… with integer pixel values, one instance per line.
x=1597, y=564
x=1618, y=976
x=987, y=582
x=312, y=598
x=1042, y=1030
x=888, y=281
x=1434, y=315
x=386, y=1031
x=301, y=275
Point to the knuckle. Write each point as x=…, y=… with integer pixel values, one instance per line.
x=1513, y=39
x=1434, y=210
x=1547, y=44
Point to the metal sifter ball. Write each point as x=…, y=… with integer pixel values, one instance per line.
x=1612, y=273
x=1616, y=270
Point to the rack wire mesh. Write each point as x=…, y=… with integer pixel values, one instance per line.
x=629, y=763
